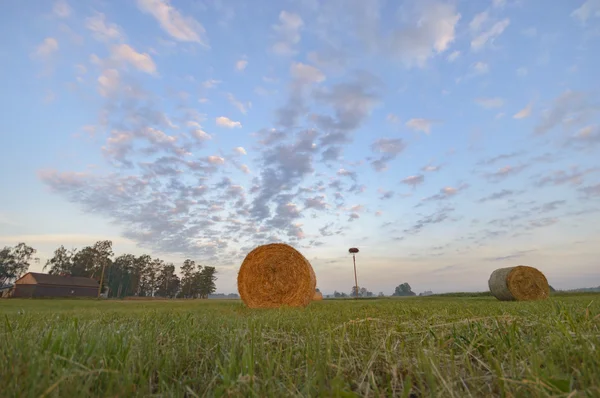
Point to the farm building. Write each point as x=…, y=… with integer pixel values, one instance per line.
x=34, y=284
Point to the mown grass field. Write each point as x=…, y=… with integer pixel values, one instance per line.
x=415, y=347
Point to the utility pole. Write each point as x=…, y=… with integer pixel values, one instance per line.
x=354, y=250
x=101, y=280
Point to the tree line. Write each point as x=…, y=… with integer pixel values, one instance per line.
x=125, y=275
x=401, y=290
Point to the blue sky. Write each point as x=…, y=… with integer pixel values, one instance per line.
x=445, y=139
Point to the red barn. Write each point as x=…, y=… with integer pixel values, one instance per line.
x=34, y=284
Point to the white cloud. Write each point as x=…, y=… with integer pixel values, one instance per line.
x=226, y=122
x=522, y=72
x=81, y=69
x=589, y=9
x=523, y=113
x=433, y=34
x=140, y=61
x=478, y=21
x=306, y=73
x=481, y=68
x=108, y=82
x=102, y=30
x=240, y=150
x=245, y=169
x=61, y=9
x=210, y=83
x=453, y=56
x=171, y=21
x=490, y=103
x=48, y=47
x=498, y=3
x=201, y=135
x=239, y=105
x=490, y=35
x=392, y=118
x=215, y=160
x=423, y=125
x=288, y=32
x=241, y=64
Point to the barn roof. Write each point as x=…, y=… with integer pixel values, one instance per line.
x=47, y=279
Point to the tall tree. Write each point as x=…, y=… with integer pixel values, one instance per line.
x=187, y=277
x=403, y=290
x=14, y=262
x=139, y=283
x=121, y=275
x=167, y=281
x=90, y=260
x=62, y=261
x=206, y=281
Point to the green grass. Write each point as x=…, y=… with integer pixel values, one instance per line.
x=417, y=347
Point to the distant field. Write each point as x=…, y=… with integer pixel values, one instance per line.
x=415, y=347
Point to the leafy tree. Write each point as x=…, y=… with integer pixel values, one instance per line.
x=139, y=283
x=62, y=262
x=187, y=279
x=353, y=292
x=14, y=262
x=381, y=294
x=403, y=290
x=121, y=276
x=206, y=282
x=167, y=281
x=90, y=260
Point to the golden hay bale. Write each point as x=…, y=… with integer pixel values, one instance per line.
x=275, y=275
x=318, y=296
x=519, y=283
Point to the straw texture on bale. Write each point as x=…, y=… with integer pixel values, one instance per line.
x=521, y=283
x=276, y=275
x=318, y=296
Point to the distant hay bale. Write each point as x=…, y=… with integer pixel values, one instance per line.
x=519, y=283
x=318, y=296
x=276, y=275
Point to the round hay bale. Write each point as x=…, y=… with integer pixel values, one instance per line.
x=318, y=296
x=275, y=275
x=521, y=283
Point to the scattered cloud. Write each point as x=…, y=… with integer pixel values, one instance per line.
x=243, y=108
x=414, y=180
x=109, y=82
x=505, y=193
x=490, y=103
x=437, y=217
x=211, y=83
x=141, y=61
x=480, y=68
x=445, y=193
x=453, y=56
x=240, y=151
x=589, y=9
x=61, y=9
x=423, y=125
x=587, y=137
x=223, y=121
x=504, y=172
x=489, y=35
x=306, y=74
x=101, y=30
x=179, y=27
x=568, y=109
x=48, y=47
x=573, y=176
x=524, y=113
x=522, y=72
x=288, y=33
x=433, y=34
x=389, y=148
x=591, y=191
x=241, y=64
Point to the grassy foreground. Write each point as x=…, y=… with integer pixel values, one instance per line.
x=417, y=347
